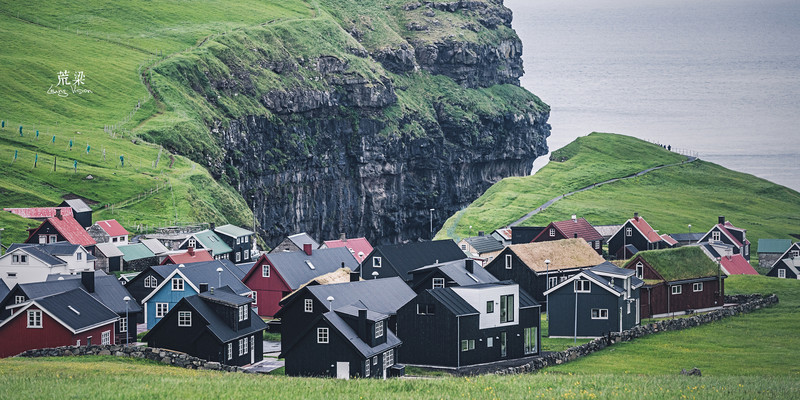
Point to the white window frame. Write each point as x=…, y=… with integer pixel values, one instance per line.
x=376, y=262
x=79, y=256
x=238, y=257
x=123, y=324
x=254, y=295
x=438, y=283
x=265, y=271
x=375, y=360
x=795, y=253
x=19, y=299
x=42, y=239
x=246, y=349
x=781, y=273
x=308, y=305
x=185, y=318
x=192, y=243
x=230, y=350
x=53, y=239
x=150, y=282
x=676, y=289
x=552, y=232
x=490, y=341
x=697, y=287
x=509, y=261
x=366, y=368
x=105, y=338
x=378, y=329
x=628, y=232
x=640, y=270
x=582, y=286
x=597, y=245
x=424, y=309
x=241, y=346
x=715, y=235
x=162, y=309
x=530, y=339
x=177, y=284
x=388, y=358
x=243, y=311
x=323, y=336
x=599, y=313
x=34, y=318
x=552, y=281
x=629, y=306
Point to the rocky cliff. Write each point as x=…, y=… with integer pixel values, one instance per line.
x=382, y=114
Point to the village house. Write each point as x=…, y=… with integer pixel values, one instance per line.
x=573, y=228
x=186, y=257
x=137, y=257
x=788, y=268
x=792, y=252
x=240, y=241
x=80, y=211
x=157, y=248
x=771, y=250
x=502, y=235
x=539, y=266
x=524, y=234
x=216, y=325
x=480, y=247
x=359, y=247
x=454, y=327
x=207, y=240
x=25, y=263
x=454, y=273
x=637, y=235
x=596, y=301
x=296, y=242
x=40, y=213
x=70, y=318
x=387, y=261
x=276, y=275
x=731, y=263
x=108, y=257
x=61, y=228
x=678, y=281
x=108, y=231
x=725, y=232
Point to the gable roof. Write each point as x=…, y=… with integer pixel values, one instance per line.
x=76, y=204
x=736, y=265
x=725, y=229
x=688, y=262
x=70, y=229
x=3, y=289
x=687, y=237
x=295, y=266
x=669, y=239
x=452, y=301
x=155, y=246
x=563, y=254
x=186, y=258
x=232, y=231
x=226, y=296
x=645, y=229
x=607, y=230
x=410, y=256
x=216, y=325
x=203, y=272
x=39, y=212
x=602, y=281
x=107, y=290
x=109, y=249
x=46, y=253
x=504, y=233
x=135, y=251
x=792, y=263
x=572, y=227
x=112, y=227
x=359, y=247
x=384, y=295
x=336, y=321
x=773, y=245
x=75, y=309
x=457, y=272
x=484, y=244
x=210, y=241
x=299, y=239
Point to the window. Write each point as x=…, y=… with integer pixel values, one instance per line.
x=123, y=324
x=507, y=308
x=597, y=245
x=34, y=319
x=629, y=306
x=379, y=329
x=241, y=345
x=639, y=270
x=254, y=296
x=530, y=340
x=376, y=262
x=552, y=232
x=746, y=249
x=677, y=289
x=79, y=255
x=599, y=313
x=715, y=236
x=53, y=239
x=583, y=286
x=366, y=368
x=265, y=270
x=781, y=273
x=508, y=261
x=161, y=309
x=388, y=358
x=114, y=240
x=322, y=335
x=464, y=247
x=426, y=309
x=42, y=239
x=184, y=318
x=78, y=342
x=490, y=341
x=243, y=312
x=150, y=282
x=628, y=232
x=177, y=284
x=192, y=243
x=247, y=239
x=375, y=360
x=19, y=259
x=467, y=345
x=562, y=278
x=238, y=241
x=238, y=257
x=552, y=281
x=795, y=253
x=19, y=299
x=438, y=283
x=105, y=337
x=11, y=274
x=697, y=287
x=244, y=343
x=489, y=306
x=230, y=350
x=309, y=305
x=88, y=340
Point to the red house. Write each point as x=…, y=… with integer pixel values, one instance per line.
x=571, y=229
x=677, y=281
x=276, y=275
x=68, y=318
x=359, y=247
x=61, y=228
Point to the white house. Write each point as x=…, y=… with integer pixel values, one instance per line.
x=26, y=263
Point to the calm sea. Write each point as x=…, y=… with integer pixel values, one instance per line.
x=718, y=77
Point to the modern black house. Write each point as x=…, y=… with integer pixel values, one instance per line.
x=216, y=325
x=454, y=273
x=238, y=239
x=594, y=302
x=400, y=259
x=455, y=327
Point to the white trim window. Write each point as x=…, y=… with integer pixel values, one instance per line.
x=508, y=261
x=388, y=357
x=105, y=337
x=677, y=289
x=19, y=259
x=246, y=349
x=150, y=282
x=697, y=287
x=795, y=253
x=19, y=299
x=781, y=273
x=583, y=286
x=308, y=305
x=192, y=243
x=34, y=318
x=375, y=360
x=242, y=344
x=629, y=306
x=376, y=262
x=378, y=329
x=254, y=296
x=243, y=309
x=53, y=239
x=79, y=255
x=177, y=284
x=597, y=245
x=552, y=232
x=162, y=309
x=366, y=368
x=265, y=271
x=230, y=350
x=185, y=318
x=123, y=324
x=238, y=257
x=323, y=335
x=599, y=313
x=639, y=270
x=715, y=236
x=628, y=232
x=552, y=281
x=438, y=283
x=490, y=341
x=467, y=345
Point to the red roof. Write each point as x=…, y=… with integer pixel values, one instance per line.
x=584, y=229
x=504, y=232
x=356, y=246
x=646, y=230
x=185, y=258
x=113, y=228
x=71, y=230
x=737, y=265
x=724, y=229
x=39, y=212
x=669, y=239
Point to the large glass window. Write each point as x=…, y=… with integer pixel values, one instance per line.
x=599, y=313
x=379, y=329
x=507, y=308
x=161, y=309
x=531, y=335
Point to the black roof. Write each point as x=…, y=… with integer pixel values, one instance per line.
x=242, y=269
x=385, y=295
x=410, y=256
x=107, y=290
x=526, y=300
x=610, y=268
x=3, y=289
x=457, y=272
x=350, y=334
x=688, y=237
x=77, y=309
x=295, y=266
x=226, y=296
x=452, y=301
x=216, y=325
x=525, y=234
x=485, y=244
x=352, y=311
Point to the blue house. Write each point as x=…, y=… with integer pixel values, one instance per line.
x=186, y=281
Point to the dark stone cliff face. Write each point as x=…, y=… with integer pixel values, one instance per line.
x=324, y=163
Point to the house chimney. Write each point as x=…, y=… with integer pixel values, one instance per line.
x=190, y=251
x=575, y=235
x=58, y=213
x=87, y=279
x=355, y=277
x=362, y=325
x=469, y=265
x=342, y=237
x=721, y=220
x=574, y=218
x=212, y=226
x=307, y=248
x=481, y=233
x=203, y=287
x=636, y=216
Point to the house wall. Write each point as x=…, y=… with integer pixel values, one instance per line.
x=33, y=271
x=294, y=319
x=618, y=241
x=140, y=264
x=269, y=290
x=243, y=248
x=385, y=271
x=478, y=299
x=133, y=318
x=515, y=347
x=136, y=285
x=562, y=313
x=744, y=250
x=165, y=295
x=789, y=274
x=660, y=300
x=428, y=339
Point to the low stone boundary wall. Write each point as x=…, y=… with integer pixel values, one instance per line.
x=163, y=356
x=745, y=304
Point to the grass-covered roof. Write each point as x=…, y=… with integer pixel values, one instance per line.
x=678, y=264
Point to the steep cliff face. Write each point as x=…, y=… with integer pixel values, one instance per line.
x=367, y=139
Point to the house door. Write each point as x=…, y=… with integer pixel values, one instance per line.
x=503, y=350
x=342, y=370
x=252, y=349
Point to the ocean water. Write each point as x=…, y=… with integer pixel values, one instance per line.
x=717, y=77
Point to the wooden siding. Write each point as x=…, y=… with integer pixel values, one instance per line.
x=269, y=291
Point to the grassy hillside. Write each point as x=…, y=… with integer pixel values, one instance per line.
x=669, y=199
x=740, y=359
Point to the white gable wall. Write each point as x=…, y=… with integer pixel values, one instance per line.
x=477, y=298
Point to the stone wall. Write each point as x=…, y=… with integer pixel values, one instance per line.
x=163, y=356
x=745, y=304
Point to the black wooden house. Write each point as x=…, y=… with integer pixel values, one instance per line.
x=240, y=240
x=454, y=273
x=637, y=235
x=399, y=259
x=725, y=232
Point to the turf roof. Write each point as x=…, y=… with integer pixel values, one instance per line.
x=686, y=262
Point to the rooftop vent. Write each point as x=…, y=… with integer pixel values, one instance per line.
x=310, y=265
x=74, y=310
